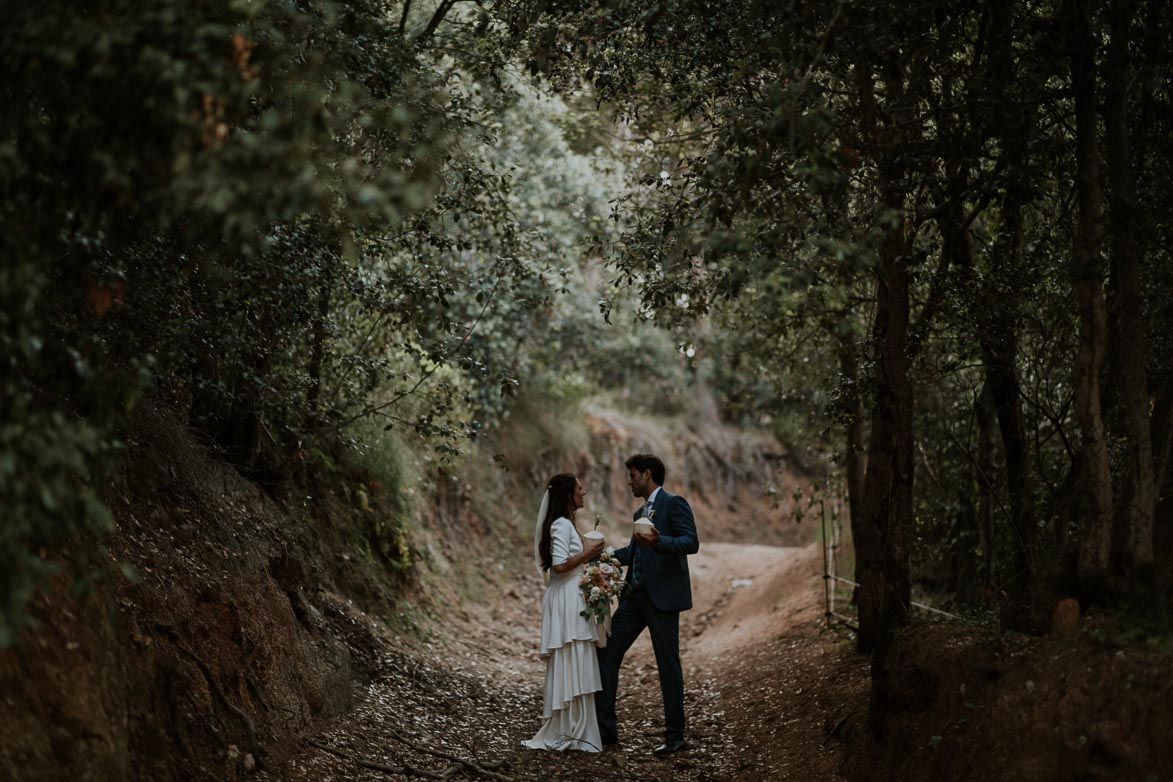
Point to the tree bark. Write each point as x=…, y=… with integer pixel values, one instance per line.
x=318, y=355
x=888, y=485
x=1125, y=302
x=886, y=510
x=1086, y=275
x=853, y=457
x=1026, y=607
x=995, y=315
x=987, y=498
x=1162, y=434
x=887, y=492
x=1162, y=428
x=893, y=513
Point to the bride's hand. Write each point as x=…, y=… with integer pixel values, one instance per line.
x=592, y=547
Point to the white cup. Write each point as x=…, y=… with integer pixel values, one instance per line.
x=643, y=528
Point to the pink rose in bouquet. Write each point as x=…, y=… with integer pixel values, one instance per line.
x=600, y=583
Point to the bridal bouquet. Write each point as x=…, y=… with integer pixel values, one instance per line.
x=601, y=581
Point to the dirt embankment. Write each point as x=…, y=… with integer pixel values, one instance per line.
x=740, y=484
x=191, y=671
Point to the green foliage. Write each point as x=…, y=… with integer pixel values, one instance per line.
x=51, y=460
x=185, y=192
x=47, y=471
x=387, y=498
x=779, y=152
x=302, y=223
x=287, y=220
x=1135, y=626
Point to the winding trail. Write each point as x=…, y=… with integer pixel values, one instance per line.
x=769, y=690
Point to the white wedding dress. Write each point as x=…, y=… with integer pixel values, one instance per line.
x=568, y=646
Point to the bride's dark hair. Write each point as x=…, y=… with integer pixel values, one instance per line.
x=561, y=488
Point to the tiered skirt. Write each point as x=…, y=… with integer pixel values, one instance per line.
x=562, y=620
x=572, y=671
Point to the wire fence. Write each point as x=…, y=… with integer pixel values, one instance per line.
x=831, y=578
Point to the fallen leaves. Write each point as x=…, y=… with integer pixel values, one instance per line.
x=474, y=692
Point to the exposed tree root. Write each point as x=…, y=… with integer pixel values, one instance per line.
x=459, y=764
x=485, y=770
x=838, y=726
x=247, y=721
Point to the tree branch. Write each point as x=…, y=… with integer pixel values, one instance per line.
x=485, y=770
x=423, y=379
x=920, y=328
x=403, y=17
x=374, y=766
x=437, y=19
x=218, y=693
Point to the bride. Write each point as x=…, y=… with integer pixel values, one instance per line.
x=568, y=638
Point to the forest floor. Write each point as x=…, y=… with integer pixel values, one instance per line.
x=770, y=691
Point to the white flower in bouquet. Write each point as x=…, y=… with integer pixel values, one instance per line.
x=600, y=582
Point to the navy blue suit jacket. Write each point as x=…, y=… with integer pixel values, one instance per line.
x=665, y=565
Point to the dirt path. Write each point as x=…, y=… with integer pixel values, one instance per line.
x=765, y=685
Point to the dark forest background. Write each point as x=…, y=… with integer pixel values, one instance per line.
x=926, y=244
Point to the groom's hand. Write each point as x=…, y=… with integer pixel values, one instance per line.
x=650, y=539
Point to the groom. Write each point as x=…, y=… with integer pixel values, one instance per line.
x=657, y=591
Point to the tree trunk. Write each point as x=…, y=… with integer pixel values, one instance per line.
x=993, y=325
x=995, y=315
x=854, y=447
x=887, y=500
x=999, y=300
x=1025, y=608
x=1125, y=302
x=1162, y=435
x=1162, y=428
x=887, y=507
x=987, y=497
x=886, y=510
x=1086, y=274
x=318, y=355
x=885, y=591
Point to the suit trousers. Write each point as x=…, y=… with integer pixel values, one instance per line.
x=635, y=612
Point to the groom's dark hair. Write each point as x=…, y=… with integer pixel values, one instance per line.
x=561, y=487
x=646, y=461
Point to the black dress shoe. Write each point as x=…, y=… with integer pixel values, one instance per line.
x=610, y=741
x=668, y=747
